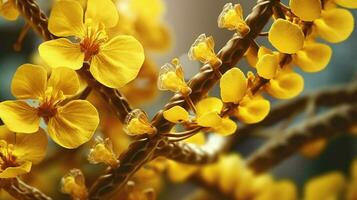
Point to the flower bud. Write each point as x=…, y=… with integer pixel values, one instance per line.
x=137, y=123
x=203, y=50
x=73, y=184
x=231, y=18
x=102, y=152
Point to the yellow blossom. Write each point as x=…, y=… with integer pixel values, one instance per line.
x=203, y=50
x=69, y=123
x=208, y=115
x=307, y=10
x=73, y=184
x=176, y=114
x=252, y=109
x=233, y=85
x=19, y=151
x=137, y=123
x=232, y=18
x=172, y=78
x=102, y=152
x=286, y=36
x=347, y=3
x=8, y=9
x=323, y=187
x=113, y=61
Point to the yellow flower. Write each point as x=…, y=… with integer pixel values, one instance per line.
x=176, y=114
x=351, y=191
x=314, y=57
x=347, y=3
x=172, y=78
x=307, y=10
x=113, y=61
x=231, y=18
x=335, y=25
x=102, y=152
x=203, y=50
x=286, y=36
x=73, y=184
x=19, y=151
x=137, y=123
x=8, y=9
x=328, y=186
x=208, y=115
x=69, y=124
x=233, y=86
x=252, y=109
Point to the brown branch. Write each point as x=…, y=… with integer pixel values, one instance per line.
x=20, y=190
x=336, y=121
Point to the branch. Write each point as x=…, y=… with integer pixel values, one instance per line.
x=336, y=121
x=20, y=190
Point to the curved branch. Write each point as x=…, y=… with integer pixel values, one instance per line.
x=20, y=190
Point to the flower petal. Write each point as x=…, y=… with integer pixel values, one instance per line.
x=211, y=119
x=176, y=114
x=313, y=57
x=66, y=19
x=29, y=82
x=286, y=36
x=268, y=65
x=102, y=11
x=307, y=10
x=210, y=104
x=62, y=53
x=74, y=124
x=19, y=117
x=233, y=85
x=118, y=62
x=347, y=3
x=12, y=172
x=253, y=110
x=65, y=80
x=335, y=25
x=227, y=127
x=286, y=85
x=31, y=147
x=9, y=11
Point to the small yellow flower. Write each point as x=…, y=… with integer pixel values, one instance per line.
x=73, y=184
x=137, y=123
x=286, y=36
x=203, y=50
x=113, y=61
x=8, y=9
x=231, y=18
x=102, y=152
x=328, y=186
x=347, y=3
x=307, y=10
x=313, y=57
x=176, y=114
x=172, y=78
x=252, y=109
x=208, y=115
x=233, y=86
x=19, y=151
x=69, y=124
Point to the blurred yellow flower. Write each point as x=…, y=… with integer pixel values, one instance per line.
x=208, y=115
x=231, y=18
x=286, y=36
x=69, y=124
x=307, y=10
x=19, y=151
x=8, y=9
x=313, y=148
x=73, y=184
x=113, y=61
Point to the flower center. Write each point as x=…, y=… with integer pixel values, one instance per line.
x=89, y=47
x=7, y=159
x=46, y=111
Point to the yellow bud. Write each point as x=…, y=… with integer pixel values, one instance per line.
x=73, y=184
x=176, y=114
x=137, y=123
x=231, y=18
x=307, y=10
x=252, y=109
x=286, y=36
x=171, y=78
x=203, y=51
x=102, y=152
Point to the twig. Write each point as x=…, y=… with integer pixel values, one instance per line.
x=20, y=190
x=338, y=120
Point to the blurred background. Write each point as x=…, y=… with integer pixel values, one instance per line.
x=187, y=19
